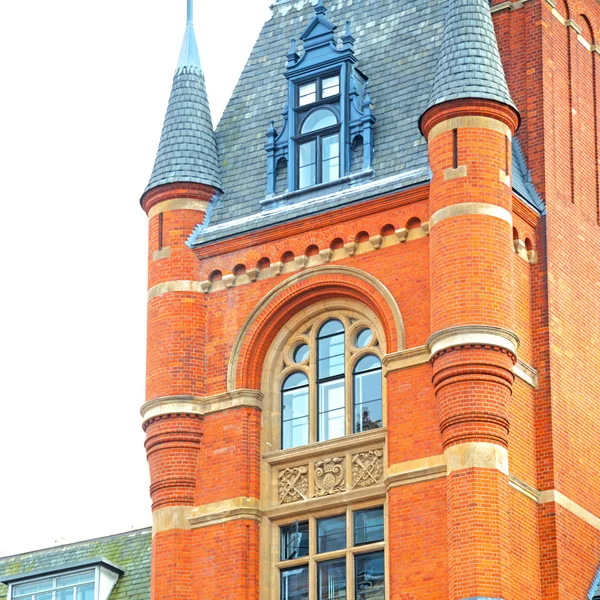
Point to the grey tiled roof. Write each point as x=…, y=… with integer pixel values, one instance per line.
x=397, y=47
x=130, y=551
x=187, y=151
x=469, y=64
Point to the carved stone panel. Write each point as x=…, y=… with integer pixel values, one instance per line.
x=367, y=468
x=293, y=484
x=330, y=476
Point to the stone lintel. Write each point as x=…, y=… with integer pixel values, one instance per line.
x=481, y=455
x=470, y=208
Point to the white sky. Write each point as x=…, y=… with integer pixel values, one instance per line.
x=84, y=93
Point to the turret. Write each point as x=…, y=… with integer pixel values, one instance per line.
x=469, y=122
x=184, y=182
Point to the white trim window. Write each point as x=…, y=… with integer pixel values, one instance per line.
x=63, y=586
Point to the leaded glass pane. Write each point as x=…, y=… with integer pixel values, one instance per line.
x=332, y=412
x=332, y=580
x=318, y=120
x=370, y=576
x=368, y=526
x=294, y=540
x=294, y=583
x=331, y=534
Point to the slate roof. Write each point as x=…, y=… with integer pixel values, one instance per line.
x=469, y=64
x=187, y=151
x=130, y=551
x=397, y=47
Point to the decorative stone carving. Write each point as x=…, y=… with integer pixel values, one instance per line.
x=351, y=248
x=376, y=241
x=367, y=468
x=326, y=255
x=252, y=274
x=401, y=235
x=229, y=281
x=293, y=484
x=330, y=476
x=205, y=286
x=301, y=261
x=276, y=268
x=425, y=227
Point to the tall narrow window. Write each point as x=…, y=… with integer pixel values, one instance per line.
x=294, y=411
x=330, y=381
x=318, y=148
x=367, y=394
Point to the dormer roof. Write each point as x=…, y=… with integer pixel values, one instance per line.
x=468, y=64
x=187, y=152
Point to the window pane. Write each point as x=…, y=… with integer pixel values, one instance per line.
x=368, y=526
x=367, y=401
x=65, y=594
x=307, y=94
x=331, y=356
x=294, y=584
x=295, y=380
x=301, y=353
x=30, y=588
x=294, y=417
x=331, y=327
x=307, y=172
x=85, y=592
x=75, y=579
x=294, y=540
x=363, y=338
x=332, y=579
x=332, y=413
x=331, y=158
x=44, y=596
x=367, y=363
x=319, y=120
x=330, y=86
x=331, y=534
x=370, y=577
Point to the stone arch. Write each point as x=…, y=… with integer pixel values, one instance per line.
x=296, y=293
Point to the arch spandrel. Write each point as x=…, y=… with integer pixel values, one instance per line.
x=296, y=293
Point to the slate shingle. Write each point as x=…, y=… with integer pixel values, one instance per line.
x=131, y=551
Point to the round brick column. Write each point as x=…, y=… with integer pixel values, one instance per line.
x=472, y=343
x=174, y=377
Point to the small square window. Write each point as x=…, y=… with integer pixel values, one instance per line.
x=307, y=93
x=331, y=534
x=368, y=526
x=294, y=540
x=330, y=86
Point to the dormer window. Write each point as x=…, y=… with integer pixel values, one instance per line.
x=92, y=579
x=328, y=114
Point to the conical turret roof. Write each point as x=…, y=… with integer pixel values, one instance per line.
x=469, y=64
x=187, y=152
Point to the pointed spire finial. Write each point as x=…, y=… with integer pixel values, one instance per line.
x=189, y=57
x=190, y=12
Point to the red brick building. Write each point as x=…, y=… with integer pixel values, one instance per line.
x=374, y=309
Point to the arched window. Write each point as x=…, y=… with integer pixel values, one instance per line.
x=367, y=394
x=331, y=383
x=318, y=148
x=294, y=411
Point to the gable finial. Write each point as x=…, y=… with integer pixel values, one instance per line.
x=190, y=12
x=320, y=8
x=348, y=39
x=292, y=55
